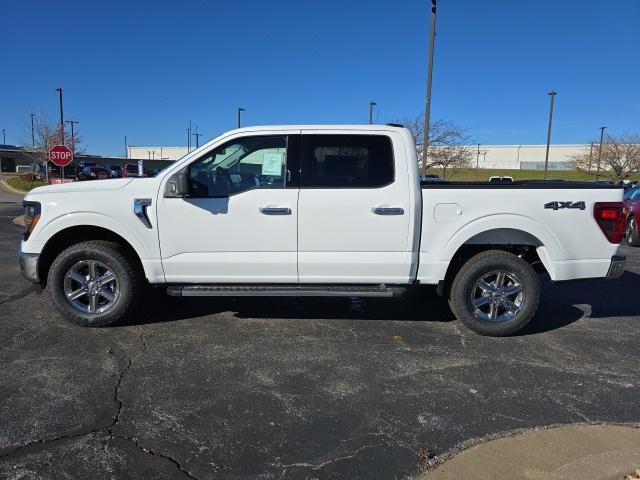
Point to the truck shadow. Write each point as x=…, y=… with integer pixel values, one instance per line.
x=561, y=304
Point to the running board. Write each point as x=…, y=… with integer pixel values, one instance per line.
x=283, y=291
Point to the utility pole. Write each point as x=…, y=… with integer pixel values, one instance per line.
x=551, y=94
x=240, y=109
x=126, y=148
x=197, y=135
x=189, y=137
x=33, y=135
x=427, y=107
x=600, y=151
x=73, y=144
x=4, y=137
x=478, y=157
x=371, y=105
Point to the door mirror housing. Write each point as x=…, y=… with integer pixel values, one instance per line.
x=177, y=186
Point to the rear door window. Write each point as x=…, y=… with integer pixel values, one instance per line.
x=346, y=161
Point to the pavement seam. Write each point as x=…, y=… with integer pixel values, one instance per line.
x=41, y=443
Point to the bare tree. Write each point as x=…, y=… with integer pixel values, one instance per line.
x=447, y=142
x=45, y=136
x=620, y=157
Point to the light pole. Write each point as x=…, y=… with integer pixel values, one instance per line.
x=371, y=105
x=126, y=148
x=600, y=151
x=4, y=137
x=518, y=156
x=59, y=90
x=73, y=144
x=551, y=94
x=427, y=106
x=33, y=135
x=240, y=109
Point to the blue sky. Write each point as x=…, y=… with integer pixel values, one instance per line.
x=143, y=69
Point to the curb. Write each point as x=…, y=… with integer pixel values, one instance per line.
x=9, y=188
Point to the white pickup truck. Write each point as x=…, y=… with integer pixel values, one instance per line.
x=316, y=211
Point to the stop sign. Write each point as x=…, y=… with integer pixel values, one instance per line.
x=60, y=155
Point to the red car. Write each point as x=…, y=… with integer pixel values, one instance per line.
x=632, y=214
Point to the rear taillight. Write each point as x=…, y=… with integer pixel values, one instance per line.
x=610, y=218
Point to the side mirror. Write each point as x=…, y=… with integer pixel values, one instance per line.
x=177, y=186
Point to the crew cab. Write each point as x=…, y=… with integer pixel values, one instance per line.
x=316, y=211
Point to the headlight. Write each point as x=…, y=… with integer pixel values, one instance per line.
x=31, y=217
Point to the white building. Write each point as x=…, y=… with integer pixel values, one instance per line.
x=156, y=153
x=525, y=157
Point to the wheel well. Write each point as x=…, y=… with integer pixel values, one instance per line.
x=74, y=235
x=466, y=251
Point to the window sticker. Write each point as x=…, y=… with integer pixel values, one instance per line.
x=272, y=164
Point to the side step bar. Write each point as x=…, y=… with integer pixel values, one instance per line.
x=284, y=291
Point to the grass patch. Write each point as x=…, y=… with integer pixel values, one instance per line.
x=24, y=185
x=483, y=174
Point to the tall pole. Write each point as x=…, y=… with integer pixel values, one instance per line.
x=551, y=94
x=4, y=137
x=189, y=137
x=33, y=135
x=427, y=106
x=371, y=105
x=600, y=151
x=126, y=148
x=240, y=109
x=59, y=90
x=590, y=158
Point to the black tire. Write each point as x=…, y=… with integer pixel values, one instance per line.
x=633, y=238
x=516, y=271
x=127, y=275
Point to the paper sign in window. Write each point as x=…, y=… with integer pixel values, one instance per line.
x=272, y=164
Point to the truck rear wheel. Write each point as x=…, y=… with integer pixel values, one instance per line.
x=94, y=284
x=495, y=293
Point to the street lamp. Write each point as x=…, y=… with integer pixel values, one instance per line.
x=427, y=106
x=240, y=109
x=600, y=151
x=59, y=90
x=551, y=94
x=371, y=105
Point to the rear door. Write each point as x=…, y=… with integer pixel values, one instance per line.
x=354, y=208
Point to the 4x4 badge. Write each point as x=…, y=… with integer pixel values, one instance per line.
x=561, y=205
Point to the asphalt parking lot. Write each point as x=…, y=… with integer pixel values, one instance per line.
x=298, y=388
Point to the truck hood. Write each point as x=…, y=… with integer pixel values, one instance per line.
x=87, y=186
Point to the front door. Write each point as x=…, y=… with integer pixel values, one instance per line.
x=239, y=222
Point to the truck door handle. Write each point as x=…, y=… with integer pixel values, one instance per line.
x=275, y=210
x=388, y=210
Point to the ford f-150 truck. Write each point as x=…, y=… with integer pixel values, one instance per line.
x=316, y=211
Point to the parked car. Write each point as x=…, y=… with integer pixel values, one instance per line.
x=130, y=170
x=115, y=171
x=94, y=173
x=497, y=179
x=341, y=214
x=632, y=215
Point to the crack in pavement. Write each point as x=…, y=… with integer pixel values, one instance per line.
x=41, y=444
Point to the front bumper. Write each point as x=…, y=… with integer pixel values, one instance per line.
x=29, y=266
x=617, y=266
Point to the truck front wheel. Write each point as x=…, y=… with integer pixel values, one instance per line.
x=495, y=293
x=94, y=284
